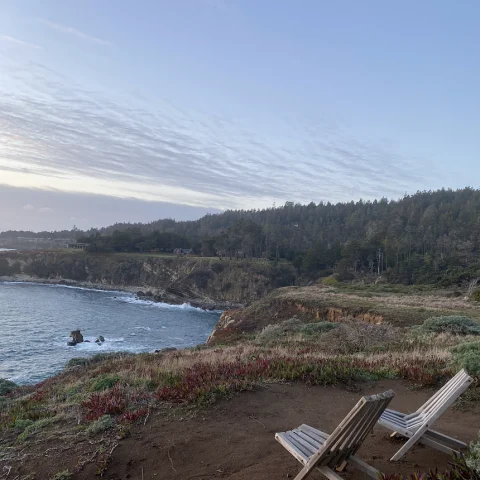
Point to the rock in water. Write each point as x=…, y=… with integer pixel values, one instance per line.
x=100, y=339
x=77, y=337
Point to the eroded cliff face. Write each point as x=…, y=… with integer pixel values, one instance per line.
x=236, y=322
x=308, y=304
x=208, y=282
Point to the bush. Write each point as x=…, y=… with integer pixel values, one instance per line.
x=331, y=281
x=476, y=296
x=63, y=475
x=6, y=386
x=473, y=455
x=103, y=382
x=101, y=425
x=22, y=424
x=467, y=356
x=311, y=329
x=77, y=362
x=453, y=324
x=109, y=402
x=353, y=336
x=34, y=427
x=278, y=331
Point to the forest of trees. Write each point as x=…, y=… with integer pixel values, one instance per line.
x=428, y=237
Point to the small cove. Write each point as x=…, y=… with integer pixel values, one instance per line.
x=36, y=319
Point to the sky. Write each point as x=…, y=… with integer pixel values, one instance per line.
x=139, y=110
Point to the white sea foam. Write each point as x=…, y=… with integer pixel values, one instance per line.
x=161, y=305
x=148, y=329
x=109, y=345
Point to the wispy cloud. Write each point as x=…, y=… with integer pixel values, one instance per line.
x=77, y=140
x=74, y=32
x=19, y=43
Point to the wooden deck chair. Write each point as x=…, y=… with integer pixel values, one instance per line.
x=318, y=450
x=417, y=426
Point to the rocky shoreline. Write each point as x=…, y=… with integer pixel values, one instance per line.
x=142, y=294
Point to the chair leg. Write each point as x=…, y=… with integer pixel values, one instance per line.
x=363, y=467
x=329, y=473
x=409, y=444
x=429, y=442
x=445, y=439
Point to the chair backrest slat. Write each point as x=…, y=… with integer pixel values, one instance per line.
x=454, y=391
x=350, y=433
x=451, y=385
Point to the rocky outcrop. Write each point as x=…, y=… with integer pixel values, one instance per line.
x=207, y=283
x=76, y=337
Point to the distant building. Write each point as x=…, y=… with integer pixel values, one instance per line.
x=78, y=246
x=183, y=251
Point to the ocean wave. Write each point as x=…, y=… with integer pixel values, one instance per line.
x=162, y=305
x=109, y=345
x=148, y=329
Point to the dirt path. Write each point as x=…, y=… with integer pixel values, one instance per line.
x=235, y=439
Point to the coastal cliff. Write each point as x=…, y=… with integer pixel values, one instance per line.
x=205, y=282
x=318, y=303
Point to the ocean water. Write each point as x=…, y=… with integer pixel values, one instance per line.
x=36, y=321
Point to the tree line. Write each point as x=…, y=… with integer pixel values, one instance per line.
x=427, y=237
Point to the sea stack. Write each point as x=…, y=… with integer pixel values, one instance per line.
x=77, y=337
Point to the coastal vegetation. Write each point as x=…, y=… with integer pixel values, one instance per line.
x=106, y=395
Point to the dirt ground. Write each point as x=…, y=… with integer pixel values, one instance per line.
x=234, y=439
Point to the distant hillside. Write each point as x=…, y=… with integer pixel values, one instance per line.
x=428, y=237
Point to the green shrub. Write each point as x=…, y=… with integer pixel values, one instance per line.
x=278, y=331
x=6, y=386
x=453, y=324
x=331, y=281
x=77, y=362
x=311, y=329
x=63, y=475
x=101, y=425
x=467, y=356
x=473, y=455
x=22, y=424
x=476, y=296
x=103, y=382
x=34, y=427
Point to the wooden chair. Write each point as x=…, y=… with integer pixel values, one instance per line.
x=417, y=426
x=318, y=450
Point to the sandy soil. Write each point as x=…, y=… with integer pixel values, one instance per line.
x=235, y=439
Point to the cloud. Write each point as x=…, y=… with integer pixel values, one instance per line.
x=54, y=134
x=46, y=210
x=74, y=31
x=19, y=43
x=28, y=207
